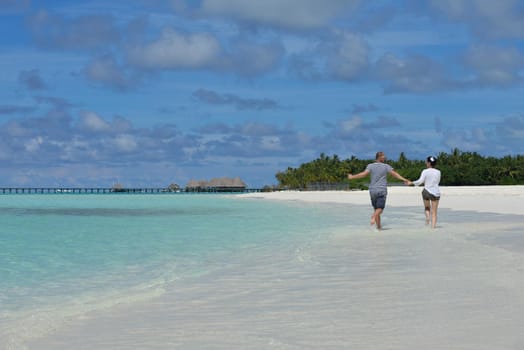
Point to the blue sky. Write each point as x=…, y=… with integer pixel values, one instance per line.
x=155, y=92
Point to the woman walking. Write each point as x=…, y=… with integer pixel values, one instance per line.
x=430, y=177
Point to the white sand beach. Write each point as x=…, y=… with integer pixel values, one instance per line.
x=494, y=199
x=460, y=286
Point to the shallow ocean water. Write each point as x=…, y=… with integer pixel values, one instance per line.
x=62, y=256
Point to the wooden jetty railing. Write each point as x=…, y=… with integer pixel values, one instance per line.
x=94, y=190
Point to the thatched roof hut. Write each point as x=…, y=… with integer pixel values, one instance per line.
x=118, y=187
x=193, y=184
x=173, y=188
x=222, y=184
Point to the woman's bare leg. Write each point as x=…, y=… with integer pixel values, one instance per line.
x=434, y=210
x=427, y=210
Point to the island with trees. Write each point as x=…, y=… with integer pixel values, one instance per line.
x=458, y=169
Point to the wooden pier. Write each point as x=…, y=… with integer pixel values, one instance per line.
x=100, y=190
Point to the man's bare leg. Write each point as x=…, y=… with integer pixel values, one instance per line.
x=375, y=218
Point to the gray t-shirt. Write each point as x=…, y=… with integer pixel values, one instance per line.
x=379, y=172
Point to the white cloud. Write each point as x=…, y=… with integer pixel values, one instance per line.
x=495, y=65
x=249, y=58
x=348, y=126
x=293, y=14
x=487, y=18
x=271, y=143
x=121, y=125
x=174, y=50
x=413, y=74
x=350, y=59
x=32, y=145
x=93, y=122
x=512, y=129
x=126, y=143
x=256, y=129
x=105, y=69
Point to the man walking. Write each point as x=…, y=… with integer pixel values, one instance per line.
x=378, y=189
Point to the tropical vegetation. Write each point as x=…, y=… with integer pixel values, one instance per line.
x=458, y=169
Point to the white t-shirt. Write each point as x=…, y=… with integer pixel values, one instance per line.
x=430, y=177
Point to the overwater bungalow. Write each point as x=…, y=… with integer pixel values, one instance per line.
x=118, y=187
x=223, y=184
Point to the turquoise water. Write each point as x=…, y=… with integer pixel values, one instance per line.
x=93, y=250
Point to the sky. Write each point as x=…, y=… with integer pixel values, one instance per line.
x=151, y=93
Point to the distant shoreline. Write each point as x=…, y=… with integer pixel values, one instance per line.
x=107, y=190
x=495, y=199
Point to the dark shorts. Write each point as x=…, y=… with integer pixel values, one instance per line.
x=378, y=199
x=428, y=196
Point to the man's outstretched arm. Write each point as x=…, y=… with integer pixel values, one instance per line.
x=398, y=176
x=359, y=175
